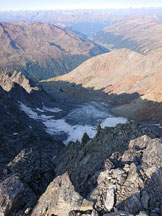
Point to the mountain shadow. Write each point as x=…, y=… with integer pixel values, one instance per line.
x=131, y=106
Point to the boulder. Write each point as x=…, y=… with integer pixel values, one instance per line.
x=12, y=192
x=60, y=198
x=110, y=199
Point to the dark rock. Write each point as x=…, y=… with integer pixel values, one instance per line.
x=13, y=195
x=154, y=214
x=133, y=204
x=118, y=213
x=85, y=138
x=160, y=210
x=34, y=168
x=145, y=199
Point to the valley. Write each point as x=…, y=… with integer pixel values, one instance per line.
x=140, y=34
x=43, y=50
x=81, y=112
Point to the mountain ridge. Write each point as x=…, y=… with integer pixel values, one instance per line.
x=40, y=50
x=141, y=34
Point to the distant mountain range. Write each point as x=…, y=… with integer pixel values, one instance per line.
x=87, y=22
x=42, y=51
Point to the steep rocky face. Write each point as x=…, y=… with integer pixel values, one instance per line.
x=141, y=34
x=19, y=132
x=43, y=50
x=26, y=150
x=124, y=72
x=99, y=177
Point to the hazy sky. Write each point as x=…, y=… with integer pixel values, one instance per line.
x=71, y=4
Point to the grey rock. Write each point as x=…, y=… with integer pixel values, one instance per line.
x=143, y=213
x=152, y=156
x=108, y=165
x=140, y=143
x=110, y=199
x=61, y=198
x=94, y=213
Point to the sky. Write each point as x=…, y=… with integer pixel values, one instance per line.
x=75, y=4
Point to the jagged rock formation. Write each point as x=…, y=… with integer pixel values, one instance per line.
x=123, y=73
x=7, y=82
x=96, y=177
x=43, y=50
x=24, y=90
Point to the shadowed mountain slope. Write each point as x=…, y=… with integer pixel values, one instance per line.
x=122, y=72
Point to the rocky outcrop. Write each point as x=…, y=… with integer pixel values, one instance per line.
x=60, y=198
x=7, y=82
x=89, y=156
x=112, y=174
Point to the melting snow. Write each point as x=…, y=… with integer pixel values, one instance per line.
x=15, y=134
x=54, y=110
x=113, y=121
x=75, y=132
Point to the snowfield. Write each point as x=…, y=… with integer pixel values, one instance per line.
x=83, y=119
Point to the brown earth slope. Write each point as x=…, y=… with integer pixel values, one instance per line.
x=124, y=72
x=141, y=34
x=43, y=50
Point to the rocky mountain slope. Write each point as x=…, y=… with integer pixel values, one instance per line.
x=116, y=173
x=123, y=73
x=43, y=50
x=141, y=34
x=111, y=176
x=23, y=141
